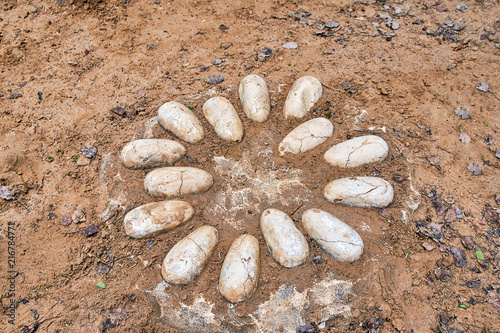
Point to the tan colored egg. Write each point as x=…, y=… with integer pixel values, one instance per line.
x=150, y=153
x=157, y=217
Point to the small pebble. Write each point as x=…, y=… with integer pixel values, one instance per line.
x=66, y=221
x=15, y=96
x=332, y=24
x=475, y=169
x=468, y=242
x=291, y=46
x=458, y=26
x=462, y=7
x=462, y=112
x=214, y=79
x=90, y=230
x=217, y=61
x=463, y=137
x=483, y=87
x=89, y=152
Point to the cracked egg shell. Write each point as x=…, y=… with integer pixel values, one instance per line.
x=306, y=136
x=360, y=192
x=304, y=93
x=254, y=97
x=335, y=237
x=157, y=217
x=239, y=275
x=178, y=119
x=357, y=151
x=186, y=260
x=150, y=153
x=174, y=182
x=285, y=242
x=221, y=114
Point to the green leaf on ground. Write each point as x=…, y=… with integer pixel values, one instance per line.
x=479, y=255
x=190, y=107
x=100, y=285
x=49, y=159
x=462, y=306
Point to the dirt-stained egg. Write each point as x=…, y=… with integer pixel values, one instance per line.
x=254, y=97
x=306, y=136
x=186, y=260
x=178, y=119
x=304, y=93
x=157, y=217
x=174, y=182
x=335, y=237
x=240, y=271
x=358, y=151
x=285, y=242
x=360, y=192
x=150, y=153
x=221, y=114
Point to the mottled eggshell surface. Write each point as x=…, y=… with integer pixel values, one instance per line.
x=360, y=192
x=178, y=119
x=174, y=182
x=221, y=114
x=186, y=260
x=357, y=151
x=306, y=136
x=335, y=237
x=304, y=93
x=254, y=98
x=150, y=153
x=285, y=242
x=154, y=218
x=239, y=275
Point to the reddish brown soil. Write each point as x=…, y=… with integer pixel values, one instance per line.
x=84, y=59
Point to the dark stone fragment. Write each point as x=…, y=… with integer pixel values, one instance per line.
x=90, y=230
x=460, y=258
x=214, y=79
x=473, y=284
x=15, y=96
x=305, y=329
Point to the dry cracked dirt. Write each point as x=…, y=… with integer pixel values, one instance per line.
x=80, y=79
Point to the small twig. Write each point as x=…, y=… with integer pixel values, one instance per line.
x=324, y=85
x=419, y=137
x=296, y=208
x=24, y=206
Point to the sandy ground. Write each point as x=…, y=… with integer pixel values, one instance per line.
x=65, y=65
